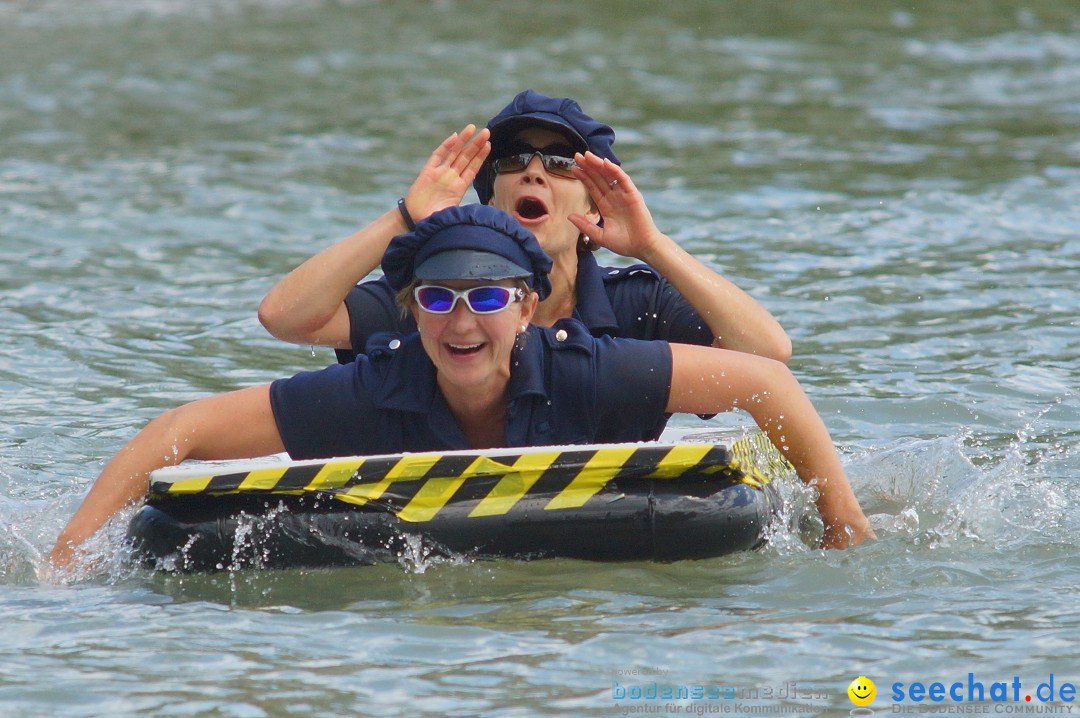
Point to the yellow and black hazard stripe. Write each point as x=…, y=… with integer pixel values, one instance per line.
x=630, y=502
x=416, y=487
x=758, y=459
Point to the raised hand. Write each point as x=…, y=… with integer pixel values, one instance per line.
x=628, y=228
x=449, y=172
x=736, y=319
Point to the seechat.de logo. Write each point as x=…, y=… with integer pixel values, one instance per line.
x=862, y=692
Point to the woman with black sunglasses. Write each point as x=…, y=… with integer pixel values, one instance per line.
x=552, y=167
x=478, y=375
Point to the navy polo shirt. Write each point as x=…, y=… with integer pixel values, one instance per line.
x=566, y=387
x=630, y=302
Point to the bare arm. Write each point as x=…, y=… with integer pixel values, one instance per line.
x=738, y=322
x=228, y=426
x=307, y=306
x=707, y=380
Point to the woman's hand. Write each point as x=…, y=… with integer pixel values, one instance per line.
x=706, y=380
x=628, y=228
x=847, y=535
x=736, y=319
x=449, y=172
x=845, y=523
x=236, y=425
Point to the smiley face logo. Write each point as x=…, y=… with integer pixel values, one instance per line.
x=862, y=691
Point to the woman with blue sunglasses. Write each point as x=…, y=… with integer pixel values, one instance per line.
x=477, y=374
x=553, y=168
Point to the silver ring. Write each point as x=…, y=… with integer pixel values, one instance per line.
x=613, y=183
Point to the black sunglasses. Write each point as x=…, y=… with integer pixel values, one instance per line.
x=557, y=159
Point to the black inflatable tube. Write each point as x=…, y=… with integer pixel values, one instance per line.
x=659, y=520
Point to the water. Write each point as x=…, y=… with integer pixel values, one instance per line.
x=897, y=182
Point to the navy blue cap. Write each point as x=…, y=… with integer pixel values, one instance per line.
x=472, y=241
x=560, y=114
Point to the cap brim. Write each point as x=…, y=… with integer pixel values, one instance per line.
x=469, y=264
x=504, y=131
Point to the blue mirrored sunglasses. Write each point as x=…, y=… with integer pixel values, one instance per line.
x=479, y=300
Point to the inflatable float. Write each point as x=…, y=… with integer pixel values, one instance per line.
x=649, y=501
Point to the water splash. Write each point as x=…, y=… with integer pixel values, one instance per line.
x=19, y=554
x=416, y=555
x=799, y=528
x=105, y=556
x=931, y=492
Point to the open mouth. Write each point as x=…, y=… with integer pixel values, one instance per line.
x=464, y=349
x=530, y=208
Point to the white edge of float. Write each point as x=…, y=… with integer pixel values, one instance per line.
x=671, y=437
